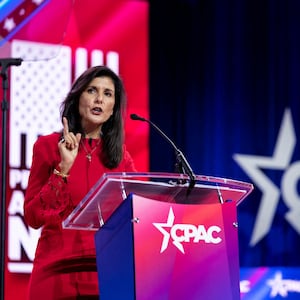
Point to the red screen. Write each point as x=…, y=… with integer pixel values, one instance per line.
x=88, y=32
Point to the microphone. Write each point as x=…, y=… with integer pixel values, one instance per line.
x=6, y=62
x=180, y=158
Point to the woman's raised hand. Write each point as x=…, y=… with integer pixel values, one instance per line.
x=68, y=147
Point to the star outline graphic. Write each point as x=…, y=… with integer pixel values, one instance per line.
x=280, y=160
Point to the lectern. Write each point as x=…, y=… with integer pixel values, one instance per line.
x=158, y=240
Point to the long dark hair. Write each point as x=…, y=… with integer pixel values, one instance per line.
x=113, y=129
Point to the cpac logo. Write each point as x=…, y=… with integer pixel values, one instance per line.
x=186, y=233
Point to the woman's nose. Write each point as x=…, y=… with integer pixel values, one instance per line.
x=99, y=98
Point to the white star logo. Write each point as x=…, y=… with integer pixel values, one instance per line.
x=22, y=12
x=9, y=24
x=278, y=286
x=280, y=160
x=166, y=234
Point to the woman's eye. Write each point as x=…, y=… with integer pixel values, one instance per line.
x=108, y=94
x=91, y=90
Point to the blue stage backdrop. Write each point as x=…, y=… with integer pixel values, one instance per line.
x=224, y=86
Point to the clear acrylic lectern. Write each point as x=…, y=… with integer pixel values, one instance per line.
x=156, y=240
x=113, y=188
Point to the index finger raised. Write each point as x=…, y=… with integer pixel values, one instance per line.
x=66, y=126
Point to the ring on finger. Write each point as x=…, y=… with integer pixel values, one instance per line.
x=62, y=140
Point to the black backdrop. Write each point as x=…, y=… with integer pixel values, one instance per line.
x=223, y=74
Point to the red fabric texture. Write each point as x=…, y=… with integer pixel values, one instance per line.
x=65, y=260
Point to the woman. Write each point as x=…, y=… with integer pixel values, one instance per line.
x=64, y=167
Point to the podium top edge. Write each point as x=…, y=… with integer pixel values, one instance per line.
x=178, y=176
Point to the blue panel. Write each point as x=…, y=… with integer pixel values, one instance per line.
x=115, y=255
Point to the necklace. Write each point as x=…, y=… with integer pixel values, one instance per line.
x=89, y=153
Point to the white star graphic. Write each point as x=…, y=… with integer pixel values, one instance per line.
x=22, y=12
x=9, y=24
x=278, y=286
x=280, y=160
x=37, y=2
x=166, y=234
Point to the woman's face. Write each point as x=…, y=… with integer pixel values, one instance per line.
x=96, y=104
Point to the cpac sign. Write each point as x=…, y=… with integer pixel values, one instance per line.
x=186, y=233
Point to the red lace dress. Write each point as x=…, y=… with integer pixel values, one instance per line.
x=64, y=266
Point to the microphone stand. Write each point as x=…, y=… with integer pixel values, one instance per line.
x=5, y=63
x=182, y=164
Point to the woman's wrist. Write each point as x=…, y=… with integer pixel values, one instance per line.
x=62, y=171
x=63, y=168
x=59, y=173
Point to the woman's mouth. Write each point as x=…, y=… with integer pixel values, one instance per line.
x=97, y=110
